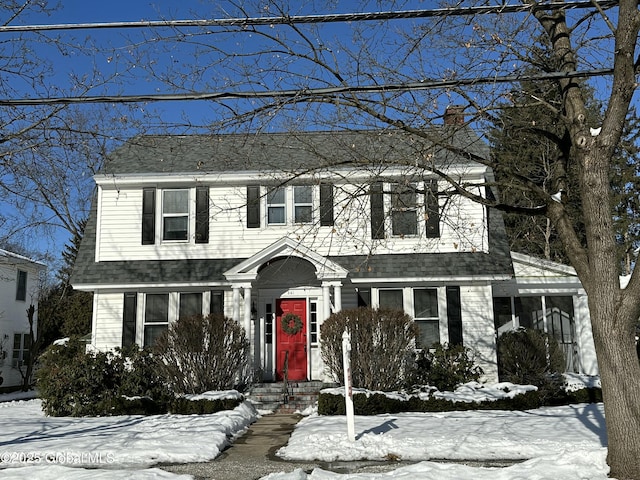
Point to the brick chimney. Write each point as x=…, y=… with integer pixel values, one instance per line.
x=454, y=115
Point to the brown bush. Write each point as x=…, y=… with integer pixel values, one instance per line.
x=197, y=354
x=382, y=346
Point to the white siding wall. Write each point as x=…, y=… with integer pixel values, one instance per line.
x=478, y=330
x=119, y=229
x=107, y=324
x=13, y=313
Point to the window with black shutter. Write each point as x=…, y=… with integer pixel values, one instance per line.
x=129, y=319
x=148, y=216
x=326, y=205
x=454, y=315
x=253, y=206
x=202, y=215
x=377, y=210
x=432, y=213
x=21, y=289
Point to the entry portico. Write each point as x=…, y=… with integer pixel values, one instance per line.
x=286, y=278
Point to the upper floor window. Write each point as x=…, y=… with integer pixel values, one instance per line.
x=404, y=210
x=183, y=215
x=175, y=214
x=21, y=289
x=396, y=208
x=276, y=206
x=296, y=204
x=302, y=204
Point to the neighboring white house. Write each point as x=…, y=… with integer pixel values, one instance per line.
x=19, y=288
x=261, y=225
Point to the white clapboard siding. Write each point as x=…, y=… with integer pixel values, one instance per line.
x=463, y=228
x=108, y=310
x=478, y=331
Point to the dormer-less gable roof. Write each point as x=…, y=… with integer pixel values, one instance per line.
x=291, y=152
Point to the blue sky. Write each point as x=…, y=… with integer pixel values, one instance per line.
x=165, y=54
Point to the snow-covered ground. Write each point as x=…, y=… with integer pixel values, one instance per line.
x=561, y=442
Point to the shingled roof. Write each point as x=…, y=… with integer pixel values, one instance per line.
x=288, y=151
x=285, y=152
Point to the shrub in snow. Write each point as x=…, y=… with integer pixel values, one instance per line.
x=72, y=382
x=444, y=367
x=197, y=354
x=381, y=346
x=527, y=356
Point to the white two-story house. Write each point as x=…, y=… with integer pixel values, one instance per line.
x=19, y=289
x=260, y=225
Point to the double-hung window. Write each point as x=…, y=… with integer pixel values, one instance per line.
x=302, y=204
x=276, y=206
x=425, y=306
x=404, y=214
x=156, y=317
x=175, y=214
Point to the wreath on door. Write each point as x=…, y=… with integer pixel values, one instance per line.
x=291, y=323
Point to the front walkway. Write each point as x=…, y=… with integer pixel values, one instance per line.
x=252, y=455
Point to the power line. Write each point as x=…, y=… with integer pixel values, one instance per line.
x=324, y=18
x=312, y=92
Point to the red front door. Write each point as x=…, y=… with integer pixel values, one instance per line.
x=291, y=341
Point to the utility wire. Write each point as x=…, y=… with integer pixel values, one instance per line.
x=324, y=18
x=311, y=92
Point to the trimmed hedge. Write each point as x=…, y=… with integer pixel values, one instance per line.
x=378, y=403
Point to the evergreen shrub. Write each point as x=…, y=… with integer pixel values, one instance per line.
x=72, y=382
x=444, y=367
x=382, y=349
x=531, y=357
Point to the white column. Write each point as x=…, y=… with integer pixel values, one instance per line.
x=247, y=326
x=236, y=304
x=337, y=295
x=326, y=299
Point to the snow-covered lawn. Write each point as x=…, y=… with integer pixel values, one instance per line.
x=33, y=446
x=561, y=442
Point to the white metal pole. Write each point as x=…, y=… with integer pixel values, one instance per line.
x=348, y=386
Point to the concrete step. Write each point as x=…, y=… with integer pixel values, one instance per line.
x=272, y=396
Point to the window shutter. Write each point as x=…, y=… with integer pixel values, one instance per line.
x=454, y=315
x=377, y=210
x=129, y=319
x=326, y=205
x=21, y=289
x=432, y=209
x=202, y=215
x=253, y=206
x=148, y=216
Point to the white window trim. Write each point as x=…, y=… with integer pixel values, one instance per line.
x=313, y=205
x=276, y=205
x=388, y=187
x=290, y=206
x=191, y=215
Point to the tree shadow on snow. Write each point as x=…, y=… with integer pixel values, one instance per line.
x=384, y=427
